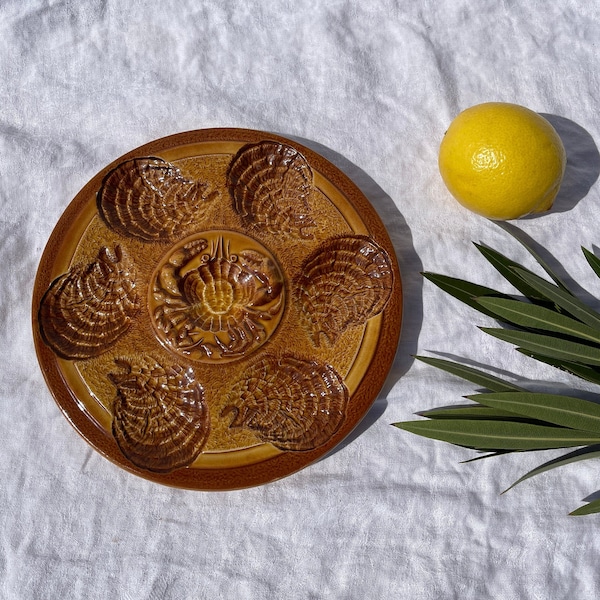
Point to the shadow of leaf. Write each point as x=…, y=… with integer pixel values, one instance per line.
x=532, y=385
x=592, y=497
x=553, y=262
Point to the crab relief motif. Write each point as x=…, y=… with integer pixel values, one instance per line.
x=211, y=304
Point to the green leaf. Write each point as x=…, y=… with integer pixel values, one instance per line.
x=587, y=509
x=532, y=316
x=548, y=345
x=465, y=291
x=568, y=302
x=498, y=435
x=494, y=384
x=571, y=457
x=582, y=371
x=593, y=260
x=507, y=268
x=476, y=411
x=565, y=411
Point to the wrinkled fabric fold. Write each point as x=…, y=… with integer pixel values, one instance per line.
x=372, y=87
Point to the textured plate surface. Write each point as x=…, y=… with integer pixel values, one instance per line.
x=217, y=309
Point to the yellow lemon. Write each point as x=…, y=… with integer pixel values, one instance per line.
x=502, y=160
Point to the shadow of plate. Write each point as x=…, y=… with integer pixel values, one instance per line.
x=410, y=268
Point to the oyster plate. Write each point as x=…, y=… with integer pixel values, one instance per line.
x=217, y=309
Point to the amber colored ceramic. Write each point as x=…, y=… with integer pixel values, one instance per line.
x=217, y=309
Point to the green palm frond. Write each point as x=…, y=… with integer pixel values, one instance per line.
x=548, y=323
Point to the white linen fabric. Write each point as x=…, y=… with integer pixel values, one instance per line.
x=372, y=86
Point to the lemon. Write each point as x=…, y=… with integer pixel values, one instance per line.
x=502, y=161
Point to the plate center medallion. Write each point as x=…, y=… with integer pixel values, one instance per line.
x=216, y=296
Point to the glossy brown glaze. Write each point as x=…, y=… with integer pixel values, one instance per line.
x=217, y=303
x=160, y=418
x=270, y=184
x=86, y=310
x=244, y=322
x=345, y=282
x=148, y=198
x=292, y=403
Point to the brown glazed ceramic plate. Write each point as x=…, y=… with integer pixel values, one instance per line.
x=217, y=309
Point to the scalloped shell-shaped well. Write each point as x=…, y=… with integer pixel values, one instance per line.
x=344, y=282
x=149, y=199
x=160, y=418
x=86, y=310
x=270, y=184
x=292, y=403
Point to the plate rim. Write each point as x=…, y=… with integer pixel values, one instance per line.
x=272, y=468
